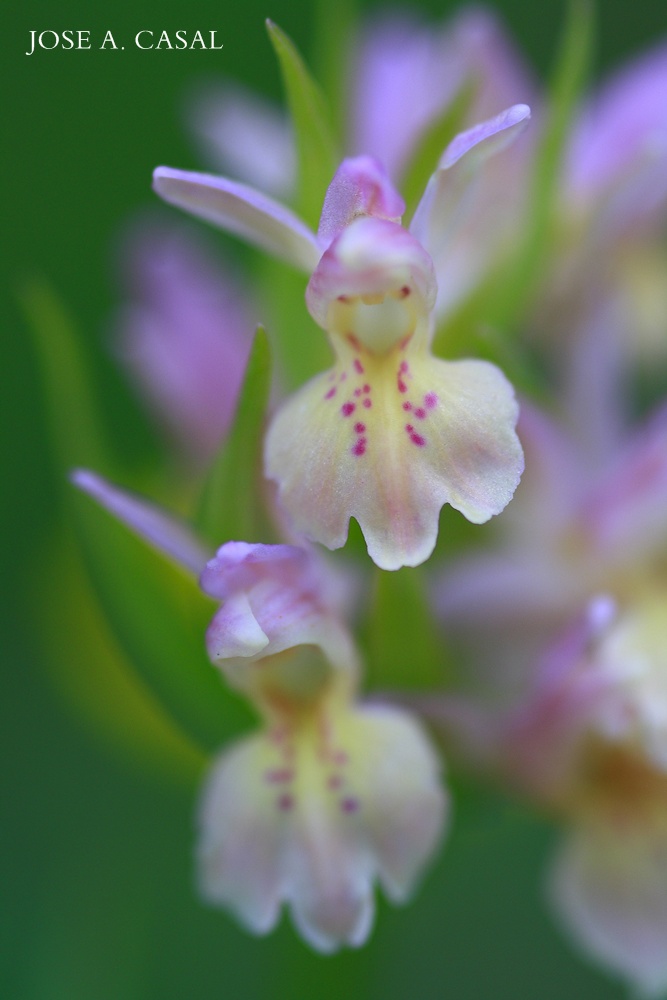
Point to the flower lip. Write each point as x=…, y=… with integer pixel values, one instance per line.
x=371, y=257
x=315, y=817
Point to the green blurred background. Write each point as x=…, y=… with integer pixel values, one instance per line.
x=97, y=899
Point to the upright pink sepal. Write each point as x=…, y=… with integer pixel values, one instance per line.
x=361, y=186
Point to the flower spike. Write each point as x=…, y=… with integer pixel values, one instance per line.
x=390, y=434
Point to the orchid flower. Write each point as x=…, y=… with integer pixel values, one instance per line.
x=183, y=334
x=615, y=168
x=391, y=433
x=595, y=730
x=608, y=277
x=588, y=740
x=329, y=795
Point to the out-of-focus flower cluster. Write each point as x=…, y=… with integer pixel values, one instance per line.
x=528, y=247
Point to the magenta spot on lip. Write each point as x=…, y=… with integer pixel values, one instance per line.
x=285, y=802
x=360, y=447
x=404, y=292
x=420, y=413
x=343, y=376
x=339, y=757
x=368, y=403
x=360, y=428
x=409, y=428
x=349, y=805
x=347, y=408
x=343, y=298
x=357, y=393
x=402, y=387
x=404, y=367
x=366, y=389
x=418, y=440
x=430, y=400
x=407, y=406
x=279, y=775
x=335, y=781
x=331, y=393
x=358, y=367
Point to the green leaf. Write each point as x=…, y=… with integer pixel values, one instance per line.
x=156, y=613
x=315, y=142
x=230, y=505
x=95, y=678
x=433, y=143
x=569, y=80
x=402, y=643
x=159, y=617
x=76, y=431
x=333, y=47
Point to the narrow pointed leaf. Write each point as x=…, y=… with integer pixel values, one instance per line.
x=333, y=42
x=569, y=80
x=155, y=612
x=159, y=617
x=75, y=426
x=436, y=138
x=96, y=680
x=231, y=504
x=316, y=145
x=506, y=295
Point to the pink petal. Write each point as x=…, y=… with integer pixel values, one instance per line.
x=240, y=210
x=161, y=529
x=235, y=632
x=246, y=136
x=361, y=186
x=276, y=598
x=240, y=566
x=184, y=334
x=448, y=187
x=471, y=210
x=619, y=147
x=496, y=134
